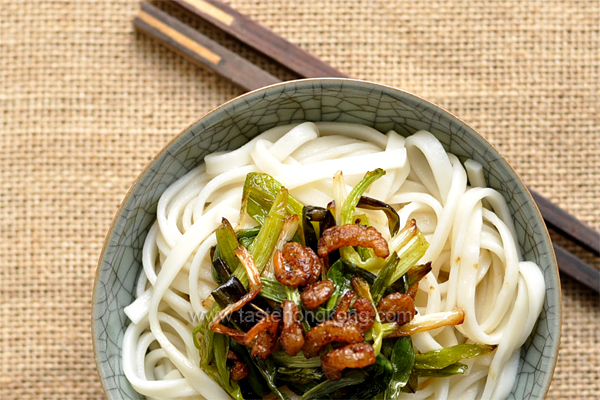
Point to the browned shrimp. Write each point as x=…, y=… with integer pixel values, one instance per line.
x=356, y=355
x=341, y=312
x=397, y=307
x=239, y=371
x=363, y=318
x=262, y=337
x=352, y=235
x=412, y=291
x=291, y=338
x=328, y=332
x=317, y=293
x=264, y=345
x=365, y=314
x=268, y=323
x=296, y=265
x=255, y=288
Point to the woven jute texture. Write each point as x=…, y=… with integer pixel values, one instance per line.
x=85, y=102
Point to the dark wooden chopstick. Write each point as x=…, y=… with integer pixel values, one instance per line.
x=200, y=49
x=260, y=38
x=566, y=224
x=577, y=268
x=203, y=51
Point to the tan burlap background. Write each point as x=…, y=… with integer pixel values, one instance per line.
x=85, y=102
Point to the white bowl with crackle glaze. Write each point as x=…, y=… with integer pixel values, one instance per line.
x=239, y=120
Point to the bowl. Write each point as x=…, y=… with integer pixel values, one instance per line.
x=239, y=120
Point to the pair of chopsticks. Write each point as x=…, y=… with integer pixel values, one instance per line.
x=204, y=51
x=201, y=50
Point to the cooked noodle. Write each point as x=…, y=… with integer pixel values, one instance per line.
x=476, y=259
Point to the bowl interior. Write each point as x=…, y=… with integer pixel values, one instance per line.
x=241, y=119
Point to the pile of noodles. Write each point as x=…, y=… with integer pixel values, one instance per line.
x=477, y=264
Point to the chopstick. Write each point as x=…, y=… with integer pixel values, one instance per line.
x=200, y=49
x=569, y=226
x=205, y=52
x=260, y=38
x=577, y=268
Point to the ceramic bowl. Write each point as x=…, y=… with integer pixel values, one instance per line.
x=239, y=120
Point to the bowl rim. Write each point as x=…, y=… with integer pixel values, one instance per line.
x=118, y=212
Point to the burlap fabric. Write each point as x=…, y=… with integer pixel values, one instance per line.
x=85, y=102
